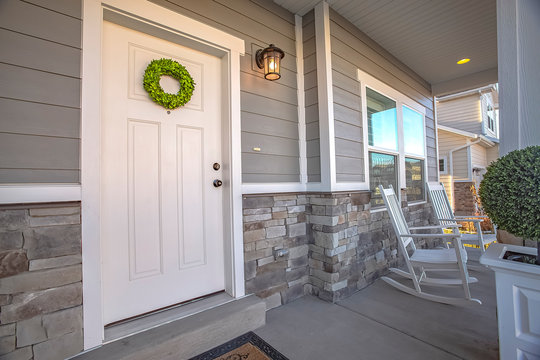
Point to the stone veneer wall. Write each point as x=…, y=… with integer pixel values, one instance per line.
x=40, y=282
x=276, y=247
x=463, y=198
x=336, y=244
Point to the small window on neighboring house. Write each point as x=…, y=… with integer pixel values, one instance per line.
x=490, y=118
x=442, y=165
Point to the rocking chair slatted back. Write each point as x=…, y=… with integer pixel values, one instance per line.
x=397, y=219
x=440, y=202
x=445, y=217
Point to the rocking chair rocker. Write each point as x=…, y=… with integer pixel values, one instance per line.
x=421, y=261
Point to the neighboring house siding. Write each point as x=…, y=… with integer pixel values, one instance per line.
x=449, y=141
x=448, y=186
x=311, y=99
x=461, y=165
x=492, y=154
x=478, y=156
x=40, y=92
x=269, y=108
x=463, y=113
x=352, y=50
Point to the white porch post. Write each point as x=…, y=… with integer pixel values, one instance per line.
x=325, y=97
x=518, y=31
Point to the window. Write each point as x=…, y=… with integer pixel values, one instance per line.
x=414, y=175
x=382, y=121
x=395, y=141
x=382, y=170
x=442, y=165
x=413, y=132
x=490, y=118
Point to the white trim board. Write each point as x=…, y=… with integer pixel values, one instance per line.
x=325, y=96
x=39, y=193
x=145, y=15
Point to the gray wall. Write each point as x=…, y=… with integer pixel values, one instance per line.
x=351, y=50
x=40, y=91
x=269, y=108
x=312, y=107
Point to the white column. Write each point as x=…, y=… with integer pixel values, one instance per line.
x=325, y=97
x=518, y=36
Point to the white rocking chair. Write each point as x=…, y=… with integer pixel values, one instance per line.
x=446, y=218
x=421, y=261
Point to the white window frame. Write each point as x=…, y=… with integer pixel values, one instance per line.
x=401, y=100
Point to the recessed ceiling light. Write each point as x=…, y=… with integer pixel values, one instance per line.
x=463, y=61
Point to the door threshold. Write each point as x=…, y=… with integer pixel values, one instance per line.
x=161, y=317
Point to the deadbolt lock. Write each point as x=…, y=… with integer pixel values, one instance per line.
x=216, y=166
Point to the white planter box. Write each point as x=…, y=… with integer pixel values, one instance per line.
x=518, y=302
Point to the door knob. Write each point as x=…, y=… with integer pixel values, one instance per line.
x=217, y=183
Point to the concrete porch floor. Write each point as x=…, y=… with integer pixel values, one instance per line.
x=381, y=322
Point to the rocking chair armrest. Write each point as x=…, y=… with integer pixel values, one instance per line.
x=469, y=219
x=432, y=236
x=471, y=216
x=435, y=227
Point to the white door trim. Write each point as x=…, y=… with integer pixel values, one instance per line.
x=204, y=38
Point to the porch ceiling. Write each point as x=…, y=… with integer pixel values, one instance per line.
x=429, y=36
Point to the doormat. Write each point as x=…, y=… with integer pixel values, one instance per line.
x=245, y=347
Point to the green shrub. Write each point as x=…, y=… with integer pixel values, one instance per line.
x=510, y=192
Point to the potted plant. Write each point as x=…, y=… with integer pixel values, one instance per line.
x=510, y=195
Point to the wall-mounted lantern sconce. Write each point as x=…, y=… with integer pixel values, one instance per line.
x=269, y=59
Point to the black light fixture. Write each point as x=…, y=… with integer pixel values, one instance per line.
x=269, y=59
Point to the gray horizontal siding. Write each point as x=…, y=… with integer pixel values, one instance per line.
x=40, y=92
x=38, y=86
x=34, y=53
x=22, y=117
x=15, y=152
x=269, y=108
x=40, y=22
x=352, y=50
x=313, y=151
x=42, y=176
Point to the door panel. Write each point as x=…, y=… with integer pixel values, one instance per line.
x=162, y=220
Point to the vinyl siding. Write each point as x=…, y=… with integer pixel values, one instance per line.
x=492, y=154
x=461, y=165
x=449, y=187
x=449, y=141
x=269, y=109
x=478, y=156
x=463, y=113
x=40, y=92
x=311, y=101
x=352, y=50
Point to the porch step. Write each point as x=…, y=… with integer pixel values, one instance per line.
x=186, y=337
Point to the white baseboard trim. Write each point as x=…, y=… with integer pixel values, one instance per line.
x=39, y=193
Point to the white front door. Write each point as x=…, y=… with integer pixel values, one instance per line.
x=161, y=216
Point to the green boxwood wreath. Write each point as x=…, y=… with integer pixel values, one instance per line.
x=153, y=73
